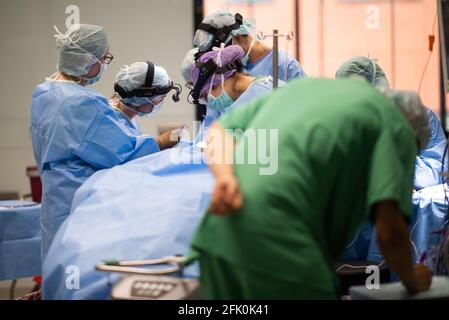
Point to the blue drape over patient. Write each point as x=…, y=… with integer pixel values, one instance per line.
x=146, y=208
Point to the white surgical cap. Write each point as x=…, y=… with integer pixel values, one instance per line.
x=409, y=103
x=187, y=63
x=247, y=28
x=133, y=76
x=220, y=19
x=78, y=47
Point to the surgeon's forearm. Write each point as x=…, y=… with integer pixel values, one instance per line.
x=393, y=239
x=219, y=150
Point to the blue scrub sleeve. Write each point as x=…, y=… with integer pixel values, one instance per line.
x=295, y=70
x=429, y=161
x=106, y=143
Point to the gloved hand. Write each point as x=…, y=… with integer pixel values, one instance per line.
x=170, y=138
x=177, y=134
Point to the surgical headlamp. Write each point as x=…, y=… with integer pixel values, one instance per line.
x=148, y=90
x=219, y=34
x=209, y=68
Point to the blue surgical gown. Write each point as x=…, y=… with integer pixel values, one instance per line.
x=429, y=161
x=76, y=133
x=289, y=67
x=131, y=124
x=260, y=86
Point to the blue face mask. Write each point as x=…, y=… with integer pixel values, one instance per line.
x=103, y=68
x=153, y=112
x=220, y=103
x=245, y=59
x=224, y=100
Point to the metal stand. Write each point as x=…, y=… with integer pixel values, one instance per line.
x=174, y=265
x=275, y=35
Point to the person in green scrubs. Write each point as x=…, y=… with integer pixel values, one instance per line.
x=345, y=154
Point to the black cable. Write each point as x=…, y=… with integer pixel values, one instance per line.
x=198, y=16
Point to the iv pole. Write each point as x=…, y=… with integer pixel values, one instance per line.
x=275, y=36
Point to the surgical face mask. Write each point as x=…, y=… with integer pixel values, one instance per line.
x=221, y=102
x=246, y=57
x=103, y=68
x=156, y=109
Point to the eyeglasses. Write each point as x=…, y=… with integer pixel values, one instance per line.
x=108, y=58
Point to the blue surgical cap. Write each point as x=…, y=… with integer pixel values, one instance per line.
x=247, y=28
x=80, y=47
x=363, y=67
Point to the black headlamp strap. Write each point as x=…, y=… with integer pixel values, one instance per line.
x=208, y=28
x=220, y=34
x=150, y=75
x=208, y=69
x=147, y=90
x=235, y=65
x=238, y=19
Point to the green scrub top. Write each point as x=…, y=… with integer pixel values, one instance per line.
x=342, y=147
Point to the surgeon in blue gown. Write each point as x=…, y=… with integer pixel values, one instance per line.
x=428, y=166
x=429, y=162
x=74, y=130
x=258, y=59
x=224, y=92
